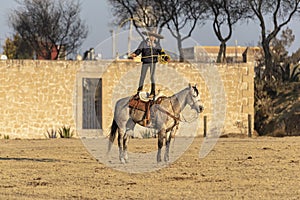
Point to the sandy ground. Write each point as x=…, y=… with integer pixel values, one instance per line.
x=237, y=168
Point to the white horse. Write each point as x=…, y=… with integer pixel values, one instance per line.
x=165, y=116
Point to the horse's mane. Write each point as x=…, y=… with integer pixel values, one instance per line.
x=178, y=93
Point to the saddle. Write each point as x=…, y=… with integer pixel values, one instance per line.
x=140, y=102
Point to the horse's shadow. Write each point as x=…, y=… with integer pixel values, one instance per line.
x=46, y=160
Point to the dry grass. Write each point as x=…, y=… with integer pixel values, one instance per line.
x=237, y=168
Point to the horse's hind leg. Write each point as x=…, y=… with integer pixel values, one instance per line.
x=129, y=131
x=160, y=145
x=120, y=144
x=168, y=141
x=125, y=144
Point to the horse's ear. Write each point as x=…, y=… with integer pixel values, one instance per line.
x=196, y=85
x=190, y=85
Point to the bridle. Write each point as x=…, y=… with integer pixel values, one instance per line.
x=193, y=97
x=193, y=105
x=178, y=119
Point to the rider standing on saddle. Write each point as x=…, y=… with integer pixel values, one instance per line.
x=150, y=49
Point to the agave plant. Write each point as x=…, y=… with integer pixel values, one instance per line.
x=51, y=134
x=65, y=132
x=295, y=73
x=290, y=73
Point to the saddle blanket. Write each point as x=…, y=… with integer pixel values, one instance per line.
x=136, y=103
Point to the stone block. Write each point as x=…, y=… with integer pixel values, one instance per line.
x=245, y=101
x=247, y=93
x=248, y=109
x=247, y=78
x=245, y=86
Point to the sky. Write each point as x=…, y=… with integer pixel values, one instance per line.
x=98, y=17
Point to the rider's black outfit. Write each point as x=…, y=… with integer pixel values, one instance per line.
x=150, y=55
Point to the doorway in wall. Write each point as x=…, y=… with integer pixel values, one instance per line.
x=91, y=103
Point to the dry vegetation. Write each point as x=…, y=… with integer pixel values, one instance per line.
x=237, y=168
x=277, y=109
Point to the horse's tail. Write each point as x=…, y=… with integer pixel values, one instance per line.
x=112, y=135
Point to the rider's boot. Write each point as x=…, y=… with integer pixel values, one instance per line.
x=140, y=89
x=152, y=93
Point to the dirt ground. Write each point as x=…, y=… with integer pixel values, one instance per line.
x=237, y=168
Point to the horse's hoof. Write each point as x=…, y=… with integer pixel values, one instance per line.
x=126, y=157
x=166, y=159
x=123, y=161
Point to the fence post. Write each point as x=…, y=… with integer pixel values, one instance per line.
x=205, y=126
x=249, y=126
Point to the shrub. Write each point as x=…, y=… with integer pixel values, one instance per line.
x=65, y=132
x=51, y=134
x=277, y=108
x=146, y=135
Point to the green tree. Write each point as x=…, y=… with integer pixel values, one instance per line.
x=287, y=70
x=281, y=12
x=280, y=45
x=9, y=48
x=49, y=26
x=17, y=48
x=272, y=98
x=295, y=57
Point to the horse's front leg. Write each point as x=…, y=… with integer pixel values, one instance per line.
x=168, y=142
x=160, y=144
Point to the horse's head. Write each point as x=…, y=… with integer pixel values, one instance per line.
x=194, y=99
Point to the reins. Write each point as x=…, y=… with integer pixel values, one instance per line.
x=169, y=114
x=177, y=119
x=173, y=116
x=189, y=121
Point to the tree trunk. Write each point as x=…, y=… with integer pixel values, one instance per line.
x=268, y=59
x=222, y=53
x=179, y=45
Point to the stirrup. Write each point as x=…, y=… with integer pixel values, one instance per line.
x=144, y=96
x=151, y=96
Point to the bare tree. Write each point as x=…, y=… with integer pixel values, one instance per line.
x=176, y=15
x=144, y=13
x=49, y=26
x=182, y=15
x=281, y=13
x=225, y=14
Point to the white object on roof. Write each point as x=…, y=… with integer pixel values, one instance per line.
x=3, y=57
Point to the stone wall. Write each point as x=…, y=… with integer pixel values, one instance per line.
x=36, y=96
